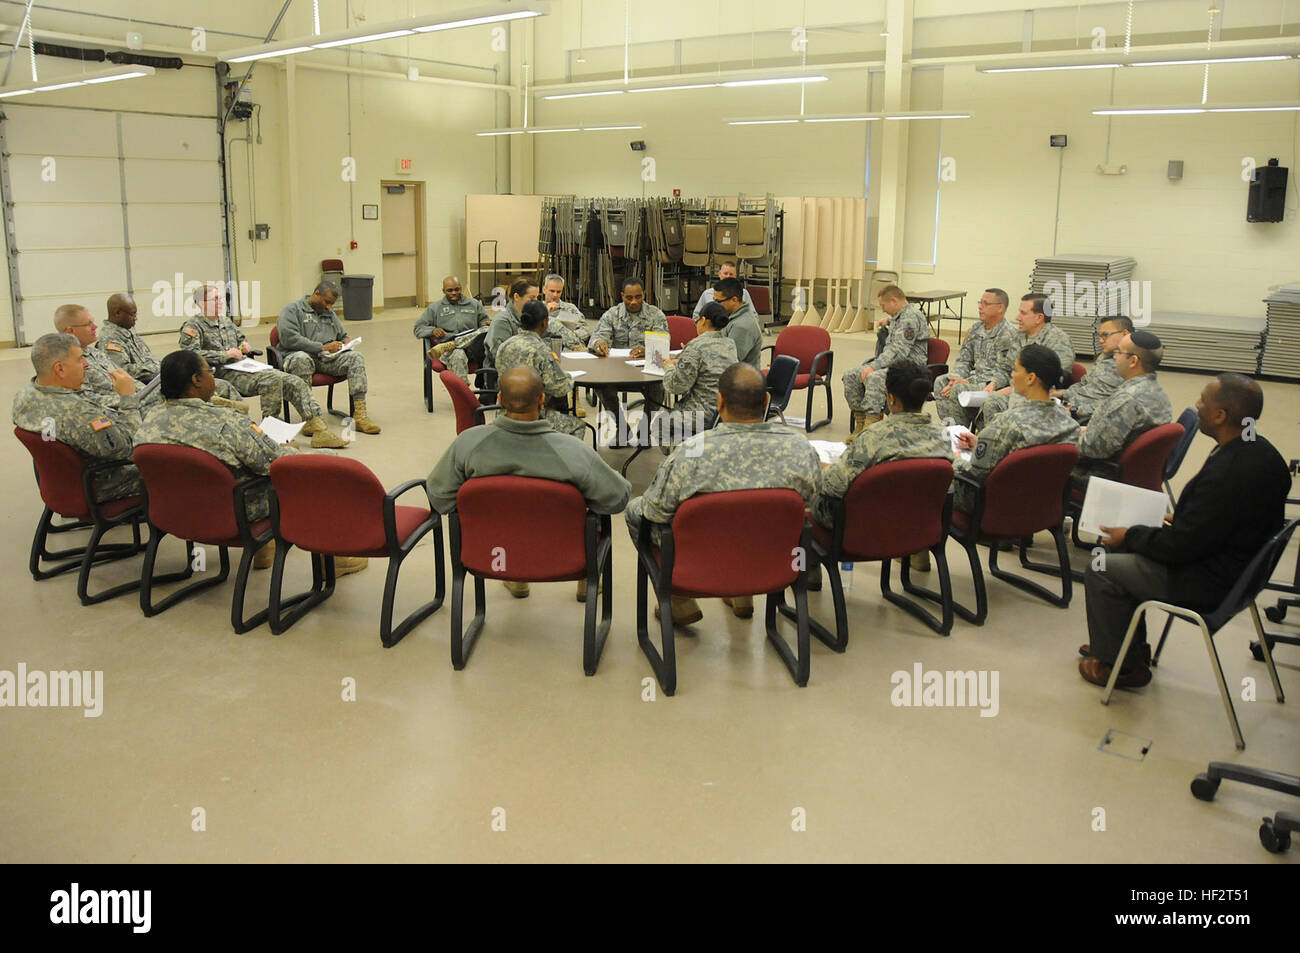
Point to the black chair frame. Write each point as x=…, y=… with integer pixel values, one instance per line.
x=485, y=376
x=969, y=540
x=664, y=664
x=275, y=357
x=600, y=580
x=250, y=544
x=816, y=379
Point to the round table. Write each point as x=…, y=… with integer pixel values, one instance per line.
x=611, y=372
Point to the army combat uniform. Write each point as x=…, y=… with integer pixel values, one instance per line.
x=908, y=340
x=98, y=430
x=1026, y=423
x=693, y=380
x=982, y=360
x=621, y=328
x=569, y=337
x=128, y=350
x=527, y=448
x=904, y=436
x=303, y=334
x=211, y=339
x=1099, y=383
x=529, y=350
x=226, y=434
x=731, y=456
x=1139, y=404
x=1050, y=337
x=455, y=318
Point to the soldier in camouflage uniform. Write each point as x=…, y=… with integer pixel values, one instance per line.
x=56, y=406
x=1031, y=422
x=128, y=350
x=744, y=452
x=1036, y=327
x=529, y=348
x=907, y=433
x=75, y=320
x=572, y=331
x=1139, y=404
x=312, y=337
x=907, y=343
x=1083, y=398
x=188, y=419
x=454, y=314
x=506, y=323
x=692, y=377
x=625, y=325
x=219, y=342
x=981, y=363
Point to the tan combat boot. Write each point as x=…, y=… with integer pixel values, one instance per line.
x=361, y=418
x=438, y=350
x=321, y=438
x=347, y=565
x=517, y=589
x=685, y=611
x=265, y=556
x=230, y=404
x=861, y=422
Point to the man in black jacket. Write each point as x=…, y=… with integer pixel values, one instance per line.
x=1224, y=516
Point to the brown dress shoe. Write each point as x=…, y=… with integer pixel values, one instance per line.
x=1086, y=651
x=1098, y=672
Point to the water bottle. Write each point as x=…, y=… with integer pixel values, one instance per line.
x=846, y=576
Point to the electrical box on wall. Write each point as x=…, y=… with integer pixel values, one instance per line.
x=1057, y=141
x=259, y=232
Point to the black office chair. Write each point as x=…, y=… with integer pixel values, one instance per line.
x=1242, y=595
x=1274, y=832
x=780, y=383
x=1175, y=459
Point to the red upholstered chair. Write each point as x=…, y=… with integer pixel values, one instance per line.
x=1077, y=373
x=528, y=530
x=275, y=358
x=698, y=558
x=469, y=412
x=1025, y=493
x=434, y=366
x=936, y=357
x=812, y=346
x=892, y=509
x=367, y=522
x=192, y=495
x=1141, y=463
x=680, y=331
x=66, y=483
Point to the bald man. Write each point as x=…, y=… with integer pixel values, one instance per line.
x=521, y=442
x=454, y=314
x=126, y=349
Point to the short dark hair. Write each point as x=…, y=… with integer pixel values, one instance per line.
x=520, y=287
x=1040, y=304
x=1239, y=397
x=1042, y=362
x=910, y=383
x=1121, y=321
x=533, y=315
x=743, y=388
x=716, y=314
x=730, y=287
x=629, y=281
x=998, y=293
x=177, y=372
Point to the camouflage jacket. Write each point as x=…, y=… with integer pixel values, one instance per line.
x=1049, y=336
x=620, y=328
x=1096, y=386
x=694, y=378
x=1025, y=423
x=987, y=355
x=1139, y=404
x=909, y=334
x=210, y=339
x=127, y=350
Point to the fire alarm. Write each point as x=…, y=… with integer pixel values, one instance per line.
x=352, y=245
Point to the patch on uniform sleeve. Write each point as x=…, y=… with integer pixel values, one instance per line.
x=190, y=331
x=981, y=448
x=909, y=334
x=112, y=347
x=102, y=423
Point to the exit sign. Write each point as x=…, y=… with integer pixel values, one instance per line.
x=405, y=166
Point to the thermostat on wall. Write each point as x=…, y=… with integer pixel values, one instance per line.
x=1058, y=141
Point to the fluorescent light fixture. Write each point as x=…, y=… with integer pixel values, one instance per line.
x=1045, y=69
x=496, y=13
x=1221, y=59
x=842, y=117
x=775, y=81
x=538, y=130
x=660, y=89
x=1148, y=110
x=109, y=75
x=1278, y=108
x=928, y=115
x=500, y=132
x=608, y=128
x=603, y=92
x=760, y=122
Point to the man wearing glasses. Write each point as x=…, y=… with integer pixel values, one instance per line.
x=1082, y=399
x=983, y=363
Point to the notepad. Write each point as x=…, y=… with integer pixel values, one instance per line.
x=639, y=362
x=576, y=374
x=579, y=355
x=1108, y=503
x=247, y=365
x=347, y=347
x=829, y=450
x=278, y=430
x=620, y=352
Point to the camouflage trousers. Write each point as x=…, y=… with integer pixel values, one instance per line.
x=867, y=397
x=273, y=387
x=948, y=408
x=349, y=364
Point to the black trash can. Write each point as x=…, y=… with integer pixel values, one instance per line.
x=358, y=297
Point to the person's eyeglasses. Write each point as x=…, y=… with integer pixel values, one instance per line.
x=87, y=324
x=1103, y=335
x=1124, y=353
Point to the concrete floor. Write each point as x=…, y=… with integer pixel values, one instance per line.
x=253, y=729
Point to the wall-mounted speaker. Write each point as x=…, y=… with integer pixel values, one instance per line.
x=1266, y=200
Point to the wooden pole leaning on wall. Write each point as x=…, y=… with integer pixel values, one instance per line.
x=794, y=229
x=859, y=252
x=832, y=320
x=810, y=260
x=843, y=239
x=825, y=242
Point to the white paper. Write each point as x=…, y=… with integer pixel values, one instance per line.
x=1108, y=503
x=278, y=430
x=955, y=431
x=653, y=371
x=829, y=450
x=347, y=347
x=676, y=352
x=248, y=365
x=656, y=350
x=578, y=355
x=620, y=352
x=639, y=362
x=576, y=373
x=973, y=398
x=793, y=421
